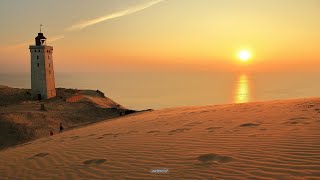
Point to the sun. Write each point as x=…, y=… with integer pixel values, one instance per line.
x=244, y=55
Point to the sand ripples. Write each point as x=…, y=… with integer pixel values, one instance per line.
x=192, y=143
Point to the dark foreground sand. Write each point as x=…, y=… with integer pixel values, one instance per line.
x=22, y=119
x=267, y=140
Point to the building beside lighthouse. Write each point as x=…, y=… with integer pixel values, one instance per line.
x=42, y=73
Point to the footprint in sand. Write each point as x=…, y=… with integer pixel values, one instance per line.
x=108, y=134
x=39, y=155
x=205, y=158
x=178, y=131
x=152, y=132
x=75, y=137
x=249, y=125
x=295, y=122
x=100, y=137
x=298, y=118
x=317, y=109
x=193, y=124
x=94, y=161
x=310, y=106
x=211, y=129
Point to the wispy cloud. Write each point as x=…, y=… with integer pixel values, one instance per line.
x=82, y=25
x=125, y=12
x=55, y=38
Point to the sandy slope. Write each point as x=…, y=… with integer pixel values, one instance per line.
x=21, y=118
x=267, y=140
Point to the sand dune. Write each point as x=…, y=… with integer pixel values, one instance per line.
x=22, y=119
x=267, y=140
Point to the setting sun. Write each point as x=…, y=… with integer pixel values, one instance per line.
x=244, y=55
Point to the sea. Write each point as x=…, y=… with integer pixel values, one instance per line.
x=158, y=90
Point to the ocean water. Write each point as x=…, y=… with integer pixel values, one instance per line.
x=163, y=90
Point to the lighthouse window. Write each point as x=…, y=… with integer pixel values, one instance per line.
x=39, y=51
x=35, y=50
x=48, y=57
x=49, y=72
x=38, y=64
x=37, y=57
x=49, y=64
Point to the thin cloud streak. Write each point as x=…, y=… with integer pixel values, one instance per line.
x=128, y=11
x=55, y=38
x=80, y=26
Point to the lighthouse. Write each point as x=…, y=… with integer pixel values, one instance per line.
x=42, y=73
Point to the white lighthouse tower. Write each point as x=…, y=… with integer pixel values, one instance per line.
x=42, y=74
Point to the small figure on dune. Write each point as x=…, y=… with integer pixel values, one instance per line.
x=51, y=133
x=61, y=128
x=42, y=108
x=122, y=113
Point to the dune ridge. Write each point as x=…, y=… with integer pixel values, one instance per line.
x=23, y=119
x=264, y=140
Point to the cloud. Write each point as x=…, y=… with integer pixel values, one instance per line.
x=55, y=38
x=91, y=22
x=128, y=11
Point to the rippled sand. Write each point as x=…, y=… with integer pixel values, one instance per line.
x=267, y=140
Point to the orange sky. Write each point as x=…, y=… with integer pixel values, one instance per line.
x=157, y=35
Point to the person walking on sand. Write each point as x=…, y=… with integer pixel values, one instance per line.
x=61, y=128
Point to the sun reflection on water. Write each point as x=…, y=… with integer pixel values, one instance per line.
x=242, y=94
